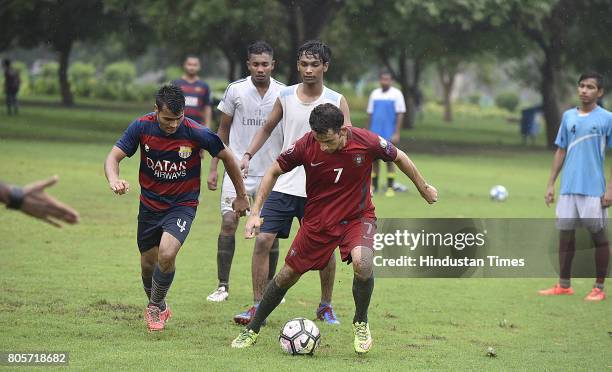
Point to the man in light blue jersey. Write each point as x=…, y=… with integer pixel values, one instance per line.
x=386, y=108
x=583, y=135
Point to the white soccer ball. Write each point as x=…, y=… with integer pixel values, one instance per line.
x=498, y=193
x=299, y=336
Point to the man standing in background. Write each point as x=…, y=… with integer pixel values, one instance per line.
x=196, y=91
x=11, y=87
x=386, y=109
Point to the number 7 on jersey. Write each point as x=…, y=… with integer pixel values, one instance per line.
x=339, y=170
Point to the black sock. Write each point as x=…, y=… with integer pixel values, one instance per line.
x=273, y=260
x=602, y=257
x=159, y=289
x=567, y=249
x=362, y=292
x=226, y=245
x=147, y=283
x=272, y=296
x=390, y=180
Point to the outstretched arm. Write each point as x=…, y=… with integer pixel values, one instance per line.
x=34, y=201
x=403, y=162
x=267, y=183
x=262, y=136
x=557, y=164
x=111, y=170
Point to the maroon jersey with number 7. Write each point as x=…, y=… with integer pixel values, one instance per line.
x=338, y=183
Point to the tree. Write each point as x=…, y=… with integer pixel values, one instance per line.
x=306, y=20
x=57, y=23
x=224, y=26
x=409, y=35
x=568, y=35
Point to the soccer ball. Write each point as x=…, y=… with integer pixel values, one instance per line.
x=498, y=193
x=299, y=336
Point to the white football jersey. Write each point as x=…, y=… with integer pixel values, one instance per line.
x=294, y=126
x=249, y=112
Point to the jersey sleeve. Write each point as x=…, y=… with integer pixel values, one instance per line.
x=400, y=103
x=130, y=139
x=380, y=148
x=210, y=142
x=294, y=155
x=370, y=108
x=227, y=104
x=562, y=135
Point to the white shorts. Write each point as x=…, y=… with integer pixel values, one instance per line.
x=580, y=210
x=228, y=192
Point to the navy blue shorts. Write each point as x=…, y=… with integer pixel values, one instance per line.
x=278, y=212
x=175, y=221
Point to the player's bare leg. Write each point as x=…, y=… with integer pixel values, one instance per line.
x=157, y=312
x=274, y=293
x=263, y=264
x=363, y=286
x=325, y=311
x=148, y=259
x=260, y=265
x=226, y=246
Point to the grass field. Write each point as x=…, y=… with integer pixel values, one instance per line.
x=78, y=289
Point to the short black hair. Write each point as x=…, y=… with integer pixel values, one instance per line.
x=385, y=72
x=191, y=56
x=317, y=49
x=260, y=47
x=599, y=79
x=171, y=97
x=6, y=62
x=325, y=117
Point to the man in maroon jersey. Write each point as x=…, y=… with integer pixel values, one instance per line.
x=338, y=213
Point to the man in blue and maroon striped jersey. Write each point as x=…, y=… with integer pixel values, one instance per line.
x=197, y=92
x=169, y=179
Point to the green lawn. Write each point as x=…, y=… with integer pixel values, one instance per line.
x=78, y=289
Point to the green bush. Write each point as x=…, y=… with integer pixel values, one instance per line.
x=46, y=82
x=146, y=92
x=474, y=99
x=82, y=79
x=117, y=82
x=172, y=73
x=507, y=100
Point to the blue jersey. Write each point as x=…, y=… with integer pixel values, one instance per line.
x=384, y=107
x=584, y=138
x=169, y=173
x=197, y=97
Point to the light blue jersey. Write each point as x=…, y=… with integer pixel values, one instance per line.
x=584, y=138
x=384, y=107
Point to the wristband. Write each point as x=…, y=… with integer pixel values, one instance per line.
x=249, y=155
x=241, y=195
x=16, y=197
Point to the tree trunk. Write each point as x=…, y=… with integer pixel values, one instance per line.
x=550, y=101
x=231, y=72
x=64, y=57
x=314, y=13
x=295, y=38
x=447, y=72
